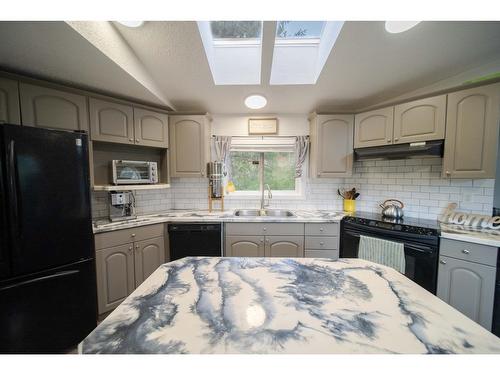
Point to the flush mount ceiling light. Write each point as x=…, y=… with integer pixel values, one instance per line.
x=131, y=23
x=255, y=101
x=395, y=27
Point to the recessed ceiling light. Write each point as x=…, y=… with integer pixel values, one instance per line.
x=131, y=23
x=395, y=27
x=255, y=101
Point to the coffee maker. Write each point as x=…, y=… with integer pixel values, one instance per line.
x=121, y=205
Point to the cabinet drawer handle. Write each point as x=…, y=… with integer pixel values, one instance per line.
x=264, y=229
x=465, y=251
x=133, y=234
x=130, y=248
x=442, y=261
x=321, y=243
x=321, y=229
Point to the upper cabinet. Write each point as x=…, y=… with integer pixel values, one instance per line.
x=120, y=123
x=151, y=128
x=111, y=122
x=331, y=145
x=472, y=133
x=189, y=145
x=420, y=120
x=9, y=102
x=374, y=128
x=50, y=108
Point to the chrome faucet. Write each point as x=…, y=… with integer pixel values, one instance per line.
x=269, y=197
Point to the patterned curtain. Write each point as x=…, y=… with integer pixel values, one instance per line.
x=302, y=146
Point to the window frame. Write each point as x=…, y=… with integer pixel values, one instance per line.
x=298, y=193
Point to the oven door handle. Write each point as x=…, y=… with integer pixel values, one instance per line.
x=409, y=246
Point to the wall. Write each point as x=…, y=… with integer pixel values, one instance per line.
x=417, y=182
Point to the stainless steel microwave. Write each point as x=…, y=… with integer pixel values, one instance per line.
x=127, y=172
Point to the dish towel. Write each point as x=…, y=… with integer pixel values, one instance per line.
x=388, y=253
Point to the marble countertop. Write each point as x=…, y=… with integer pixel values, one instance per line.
x=180, y=216
x=284, y=305
x=458, y=232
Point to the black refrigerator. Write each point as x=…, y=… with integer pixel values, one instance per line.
x=48, y=299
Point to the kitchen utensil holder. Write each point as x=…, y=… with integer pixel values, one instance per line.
x=349, y=205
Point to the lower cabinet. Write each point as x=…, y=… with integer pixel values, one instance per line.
x=469, y=287
x=268, y=246
x=149, y=254
x=124, y=259
x=466, y=278
x=284, y=246
x=245, y=246
x=115, y=275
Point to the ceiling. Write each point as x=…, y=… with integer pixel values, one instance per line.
x=366, y=66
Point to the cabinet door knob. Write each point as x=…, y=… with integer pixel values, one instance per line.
x=131, y=140
x=133, y=234
x=396, y=139
x=448, y=173
x=261, y=241
x=388, y=141
x=130, y=248
x=136, y=246
x=465, y=251
x=321, y=229
x=442, y=261
x=264, y=229
x=137, y=140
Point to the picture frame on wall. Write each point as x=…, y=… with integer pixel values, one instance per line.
x=263, y=126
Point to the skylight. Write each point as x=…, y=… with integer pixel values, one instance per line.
x=299, y=29
x=234, y=50
x=301, y=49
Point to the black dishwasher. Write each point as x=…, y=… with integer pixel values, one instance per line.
x=194, y=240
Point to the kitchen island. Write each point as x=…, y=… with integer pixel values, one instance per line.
x=284, y=305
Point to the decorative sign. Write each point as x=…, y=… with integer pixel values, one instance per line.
x=449, y=216
x=262, y=126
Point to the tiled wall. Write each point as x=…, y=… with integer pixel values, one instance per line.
x=147, y=202
x=417, y=182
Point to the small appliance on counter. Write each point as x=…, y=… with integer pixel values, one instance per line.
x=391, y=210
x=127, y=172
x=215, y=185
x=121, y=205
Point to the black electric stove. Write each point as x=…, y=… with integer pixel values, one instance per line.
x=420, y=239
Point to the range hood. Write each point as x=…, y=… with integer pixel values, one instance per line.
x=401, y=151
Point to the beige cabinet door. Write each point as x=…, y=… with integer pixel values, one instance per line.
x=188, y=145
x=49, y=108
x=285, y=246
x=374, y=128
x=115, y=275
x=111, y=122
x=420, y=120
x=332, y=145
x=9, y=102
x=151, y=128
x=244, y=246
x=472, y=133
x=149, y=255
x=469, y=287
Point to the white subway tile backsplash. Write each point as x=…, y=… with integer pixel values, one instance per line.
x=416, y=182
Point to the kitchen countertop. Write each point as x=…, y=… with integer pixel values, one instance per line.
x=461, y=233
x=179, y=216
x=284, y=305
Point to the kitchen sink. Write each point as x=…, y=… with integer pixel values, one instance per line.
x=264, y=213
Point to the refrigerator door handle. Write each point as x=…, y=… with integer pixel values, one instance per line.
x=13, y=192
x=43, y=278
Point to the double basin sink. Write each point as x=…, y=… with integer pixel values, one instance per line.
x=264, y=213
